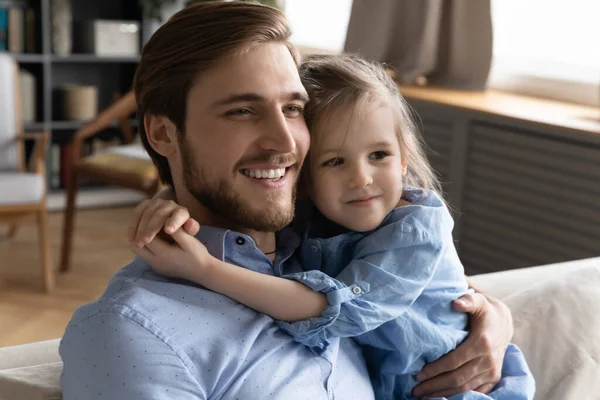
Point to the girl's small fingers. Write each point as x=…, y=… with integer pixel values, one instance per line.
x=144, y=253
x=143, y=222
x=153, y=220
x=157, y=221
x=184, y=240
x=136, y=215
x=177, y=219
x=191, y=226
x=159, y=247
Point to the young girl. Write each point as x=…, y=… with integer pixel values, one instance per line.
x=377, y=223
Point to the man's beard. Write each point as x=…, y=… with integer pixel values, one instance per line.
x=222, y=201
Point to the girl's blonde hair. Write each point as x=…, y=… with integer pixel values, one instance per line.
x=336, y=81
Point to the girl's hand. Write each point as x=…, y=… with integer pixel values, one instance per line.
x=186, y=258
x=150, y=216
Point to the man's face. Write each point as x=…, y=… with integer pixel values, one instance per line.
x=245, y=138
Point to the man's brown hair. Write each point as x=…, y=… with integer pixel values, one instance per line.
x=194, y=40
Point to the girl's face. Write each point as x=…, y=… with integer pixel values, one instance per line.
x=356, y=168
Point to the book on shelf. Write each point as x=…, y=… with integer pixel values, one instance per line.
x=54, y=167
x=27, y=83
x=3, y=29
x=17, y=29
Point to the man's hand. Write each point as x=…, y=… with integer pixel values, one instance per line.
x=477, y=363
x=150, y=216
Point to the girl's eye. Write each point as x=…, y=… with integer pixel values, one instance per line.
x=378, y=155
x=333, y=162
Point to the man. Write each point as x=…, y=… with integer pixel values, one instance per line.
x=218, y=95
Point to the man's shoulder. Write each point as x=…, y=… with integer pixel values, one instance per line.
x=137, y=292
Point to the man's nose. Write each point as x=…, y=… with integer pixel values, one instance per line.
x=278, y=135
x=360, y=177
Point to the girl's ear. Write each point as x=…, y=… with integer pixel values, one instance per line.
x=404, y=164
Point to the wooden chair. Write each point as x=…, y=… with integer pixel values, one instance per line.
x=127, y=165
x=22, y=190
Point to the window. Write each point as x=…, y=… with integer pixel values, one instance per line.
x=547, y=48
x=319, y=24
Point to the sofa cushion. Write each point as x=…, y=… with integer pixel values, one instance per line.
x=26, y=355
x=38, y=382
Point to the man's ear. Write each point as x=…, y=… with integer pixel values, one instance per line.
x=161, y=133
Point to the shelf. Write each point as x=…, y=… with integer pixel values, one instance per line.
x=57, y=125
x=34, y=126
x=60, y=125
x=28, y=58
x=93, y=58
x=13, y=3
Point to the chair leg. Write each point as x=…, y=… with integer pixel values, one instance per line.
x=67, y=244
x=45, y=254
x=13, y=229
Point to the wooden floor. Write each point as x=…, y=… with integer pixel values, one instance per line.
x=100, y=249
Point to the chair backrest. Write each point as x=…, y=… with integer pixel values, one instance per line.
x=11, y=151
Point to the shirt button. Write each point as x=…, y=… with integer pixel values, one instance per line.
x=240, y=240
x=356, y=290
x=314, y=248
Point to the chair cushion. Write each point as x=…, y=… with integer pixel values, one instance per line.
x=38, y=382
x=21, y=188
x=125, y=165
x=134, y=150
x=8, y=109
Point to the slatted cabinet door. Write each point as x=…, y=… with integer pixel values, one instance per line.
x=437, y=131
x=529, y=199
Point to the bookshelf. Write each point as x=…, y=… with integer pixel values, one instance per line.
x=111, y=75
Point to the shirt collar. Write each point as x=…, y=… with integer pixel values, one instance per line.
x=220, y=244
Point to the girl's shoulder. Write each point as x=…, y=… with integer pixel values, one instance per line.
x=422, y=210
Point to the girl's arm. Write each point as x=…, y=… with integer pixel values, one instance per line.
x=391, y=269
x=188, y=258
x=279, y=298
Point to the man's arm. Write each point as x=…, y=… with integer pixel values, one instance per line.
x=111, y=356
x=477, y=363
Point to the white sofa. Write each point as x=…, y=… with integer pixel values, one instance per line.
x=556, y=311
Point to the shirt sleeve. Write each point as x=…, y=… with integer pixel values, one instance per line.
x=392, y=267
x=111, y=356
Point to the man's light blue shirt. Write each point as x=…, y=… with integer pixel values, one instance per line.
x=149, y=337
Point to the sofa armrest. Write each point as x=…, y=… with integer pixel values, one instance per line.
x=556, y=314
x=30, y=354
x=504, y=283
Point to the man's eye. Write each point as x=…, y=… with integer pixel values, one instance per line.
x=333, y=162
x=378, y=155
x=295, y=110
x=240, y=111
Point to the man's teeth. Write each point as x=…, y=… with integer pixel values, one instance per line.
x=264, y=173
